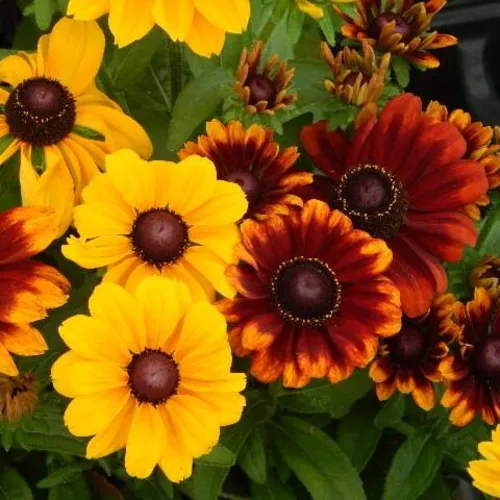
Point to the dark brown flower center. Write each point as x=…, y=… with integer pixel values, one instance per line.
x=373, y=199
x=492, y=272
x=40, y=111
x=159, y=236
x=153, y=376
x=306, y=291
x=261, y=88
x=248, y=182
x=408, y=346
x=351, y=78
x=402, y=27
x=486, y=359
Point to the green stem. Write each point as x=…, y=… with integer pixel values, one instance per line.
x=168, y=103
x=403, y=428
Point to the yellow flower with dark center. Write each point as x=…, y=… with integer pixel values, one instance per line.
x=149, y=371
x=486, y=275
x=177, y=220
x=63, y=125
x=264, y=90
x=486, y=472
x=18, y=396
x=410, y=360
x=28, y=288
x=201, y=24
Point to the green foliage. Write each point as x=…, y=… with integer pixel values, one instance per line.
x=12, y=485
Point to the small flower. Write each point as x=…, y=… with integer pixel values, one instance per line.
x=63, y=126
x=473, y=373
x=177, y=220
x=410, y=360
x=18, y=396
x=403, y=178
x=264, y=90
x=312, y=298
x=253, y=160
x=486, y=275
x=28, y=288
x=486, y=472
x=149, y=372
x=400, y=28
x=201, y=24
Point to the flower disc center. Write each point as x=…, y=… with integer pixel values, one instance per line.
x=368, y=191
x=159, y=236
x=402, y=27
x=487, y=359
x=261, y=88
x=248, y=182
x=40, y=111
x=306, y=291
x=408, y=346
x=351, y=78
x=153, y=376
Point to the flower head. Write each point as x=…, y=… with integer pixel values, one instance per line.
x=252, y=159
x=264, y=90
x=156, y=367
x=176, y=220
x=200, y=24
x=403, y=178
x=398, y=27
x=53, y=113
x=28, y=288
x=18, y=396
x=410, y=360
x=473, y=373
x=313, y=302
x=486, y=275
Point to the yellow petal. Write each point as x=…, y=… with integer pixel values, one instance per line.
x=175, y=17
x=101, y=219
x=227, y=205
x=229, y=15
x=146, y=441
x=75, y=53
x=199, y=286
x=15, y=68
x=204, y=38
x=83, y=10
x=99, y=252
x=89, y=415
x=233, y=382
x=10, y=150
x=129, y=21
x=75, y=376
x=96, y=339
x=7, y=365
x=314, y=11
x=102, y=189
x=164, y=303
x=117, y=307
x=119, y=273
x=142, y=270
x=219, y=239
x=212, y=267
x=490, y=451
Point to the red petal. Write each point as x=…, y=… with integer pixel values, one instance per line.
x=313, y=353
x=359, y=150
x=246, y=282
x=423, y=59
x=261, y=331
x=320, y=189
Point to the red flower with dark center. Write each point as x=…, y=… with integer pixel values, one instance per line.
x=410, y=360
x=312, y=298
x=473, y=373
x=403, y=178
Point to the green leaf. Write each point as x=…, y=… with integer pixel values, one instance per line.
x=88, y=133
x=489, y=233
x=295, y=22
x=272, y=489
x=356, y=434
x=261, y=11
x=157, y=486
x=316, y=460
x=38, y=159
x=196, y=103
x=278, y=42
x=437, y=490
x=413, y=468
x=330, y=23
x=6, y=52
x=391, y=413
x=44, y=11
x=10, y=193
x=401, y=68
x=252, y=458
x=220, y=456
x=342, y=117
x=322, y=396
x=78, y=489
x=12, y=485
x=63, y=475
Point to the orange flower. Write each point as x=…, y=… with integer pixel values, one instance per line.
x=253, y=160
x=473, y=373
x=29, y=288
x=398, y=27
x=410, y=360
x=312, y=299
x=403, y=178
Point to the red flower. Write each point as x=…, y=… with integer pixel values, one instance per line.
x=403, y=178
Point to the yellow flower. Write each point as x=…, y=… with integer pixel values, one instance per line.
x=149, y=371
x=201, y=24
x=486, y=473
x=62, y=124
x=144, y=218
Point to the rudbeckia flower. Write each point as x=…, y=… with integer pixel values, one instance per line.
x=149, y=372
x=28, y=288
x=253, y=160
x=486, y=472
x=486, y=275
x=398, y=27
x=177, y=220
x=201, y=24
x=312, y=299
x=410, y=360
x=404, y=178
x=473, y=373
x=54, y=115
x=18, y=396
